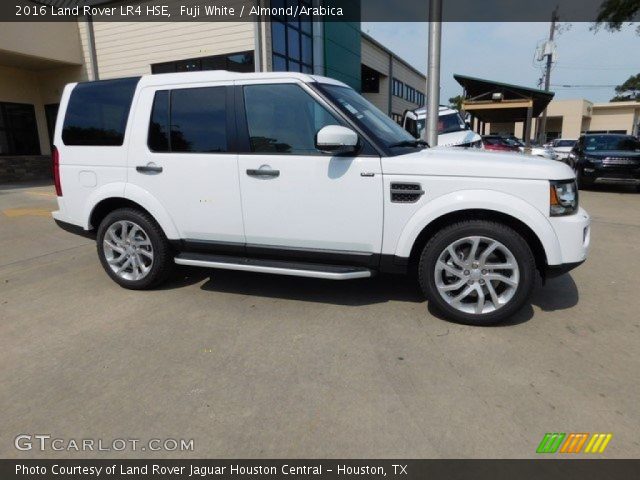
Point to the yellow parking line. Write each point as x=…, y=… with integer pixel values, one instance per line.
x=26, y=212
x=42, y=194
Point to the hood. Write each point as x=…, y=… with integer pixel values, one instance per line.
x=458, y=138
x=469, y=162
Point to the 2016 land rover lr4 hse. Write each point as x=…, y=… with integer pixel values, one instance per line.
x=294, y=174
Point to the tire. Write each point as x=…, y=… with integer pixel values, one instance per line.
x=580, y=180
x=444, y=280
x=141, y=257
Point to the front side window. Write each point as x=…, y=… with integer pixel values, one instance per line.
x=284, y=119
x=97, y=112
x=18, y=130
x=190, y=120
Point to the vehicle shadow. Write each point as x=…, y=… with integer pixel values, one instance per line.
x=612, y=188
x=558, y=294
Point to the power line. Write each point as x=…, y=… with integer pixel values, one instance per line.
x=584, y=86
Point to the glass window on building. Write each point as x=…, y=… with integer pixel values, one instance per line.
x=233, y=62
x=18, y=130
x=292, y=39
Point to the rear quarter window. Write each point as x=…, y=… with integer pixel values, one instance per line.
x=97, y=112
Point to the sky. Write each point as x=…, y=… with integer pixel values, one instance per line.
x=505, y=52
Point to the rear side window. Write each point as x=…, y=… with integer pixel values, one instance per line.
x=97, y=112
x=192, y=120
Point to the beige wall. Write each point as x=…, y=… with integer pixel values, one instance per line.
x=408, y=77
x=57, y=41
x=128, y=49
x=377, y=59
x=380, y=60
x=613, y=118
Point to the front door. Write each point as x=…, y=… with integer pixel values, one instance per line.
x=294, y=197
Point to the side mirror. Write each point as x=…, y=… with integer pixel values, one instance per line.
x=337, y=140
x=468, y=124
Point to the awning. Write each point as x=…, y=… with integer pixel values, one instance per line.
x=497, y=102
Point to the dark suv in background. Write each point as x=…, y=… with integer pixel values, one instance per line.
x=606, y=159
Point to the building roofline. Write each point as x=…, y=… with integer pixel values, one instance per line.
x=369, y=38
x=630, y=103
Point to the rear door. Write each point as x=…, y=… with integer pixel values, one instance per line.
x=183, y=156
x=298, y=201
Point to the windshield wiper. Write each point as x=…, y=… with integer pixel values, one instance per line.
x=410, y=143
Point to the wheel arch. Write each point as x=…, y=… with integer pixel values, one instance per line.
x=450, y=218
x=151, y=207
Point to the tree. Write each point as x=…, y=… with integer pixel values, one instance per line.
x=615, y=13
x=456, y=102
x=629, y=90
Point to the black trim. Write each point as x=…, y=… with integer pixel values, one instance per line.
x=553, y=271
x=76, y=230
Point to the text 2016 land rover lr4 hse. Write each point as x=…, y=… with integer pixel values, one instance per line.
x=295, y=174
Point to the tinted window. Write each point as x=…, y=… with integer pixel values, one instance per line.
x=18, y=130
x=365, y=114
x=596, y=143
x=159, y=125
x=198, y=120
x=284, y=119
x=235, y=62
x=97, y=112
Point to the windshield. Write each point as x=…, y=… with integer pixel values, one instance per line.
x=368, y=116
x=449, y=123
x=565, y=143
x=598, y=143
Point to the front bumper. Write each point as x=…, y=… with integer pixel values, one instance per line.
x=612, y=175
x=574, y=239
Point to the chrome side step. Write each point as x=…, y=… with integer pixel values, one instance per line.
x=277, y=267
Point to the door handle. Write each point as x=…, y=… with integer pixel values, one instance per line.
x=263, y=172
x=150, y=168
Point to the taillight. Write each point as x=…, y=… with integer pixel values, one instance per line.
x=55, y=157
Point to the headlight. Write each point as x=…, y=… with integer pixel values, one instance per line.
x=563, y=198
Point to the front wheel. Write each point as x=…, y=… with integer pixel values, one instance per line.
x=133, y=249
x=477, y=272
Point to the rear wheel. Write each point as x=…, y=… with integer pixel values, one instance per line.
x=477, y=272
x=133, y=249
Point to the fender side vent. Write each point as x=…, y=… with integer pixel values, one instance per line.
x=406, y=192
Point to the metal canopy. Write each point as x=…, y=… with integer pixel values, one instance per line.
x=514, y=103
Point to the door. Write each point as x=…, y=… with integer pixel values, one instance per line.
x=294, y=197
x=183, y=155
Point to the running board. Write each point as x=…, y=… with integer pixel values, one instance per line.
x=276, y=267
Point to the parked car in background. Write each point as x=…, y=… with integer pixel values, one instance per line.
x=497, y=143
x=606, y=159
x=563, y=147
x=536, y=150
x=453, y=131
x=293, y=174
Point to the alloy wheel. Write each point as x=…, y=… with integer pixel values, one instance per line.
x=477, y=275
x=128, y=250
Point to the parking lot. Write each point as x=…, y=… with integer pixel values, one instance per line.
x=248, y=365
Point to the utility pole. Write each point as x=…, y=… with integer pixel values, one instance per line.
x=433, y=72
x=547, y=76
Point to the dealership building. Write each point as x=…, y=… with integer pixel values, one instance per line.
x=38, y=59
x=571, y=118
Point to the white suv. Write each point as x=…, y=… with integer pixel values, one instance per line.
x=295, y=174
